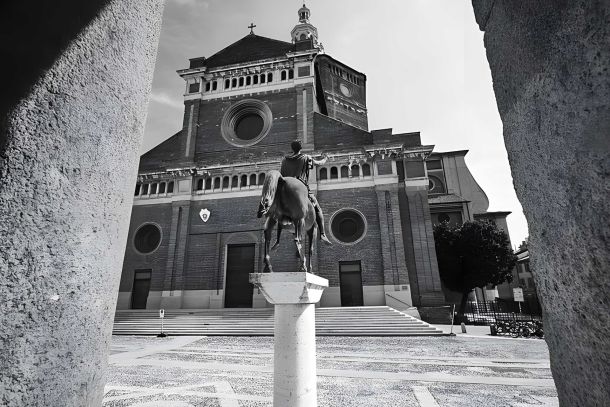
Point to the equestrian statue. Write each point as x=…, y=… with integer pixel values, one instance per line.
x=286, y=200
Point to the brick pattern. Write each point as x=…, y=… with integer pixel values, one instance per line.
x=157, y=261
x=368, y=250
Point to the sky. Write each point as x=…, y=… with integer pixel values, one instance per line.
x=424, y=60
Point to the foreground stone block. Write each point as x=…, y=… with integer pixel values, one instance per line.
x=294, y=296
x=550, y=65
x=69, y=146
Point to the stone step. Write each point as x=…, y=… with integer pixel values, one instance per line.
x=346, y=321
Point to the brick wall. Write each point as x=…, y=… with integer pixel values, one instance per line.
x=368, y=250
x=157, y=261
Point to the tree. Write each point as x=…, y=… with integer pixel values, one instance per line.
x=474, y=254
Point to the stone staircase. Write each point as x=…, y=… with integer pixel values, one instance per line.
x=336, y=321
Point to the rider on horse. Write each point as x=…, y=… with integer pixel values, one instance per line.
x=297, y=165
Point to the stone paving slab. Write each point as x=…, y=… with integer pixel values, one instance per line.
x=352, y=371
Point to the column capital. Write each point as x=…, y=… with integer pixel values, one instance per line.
x=290, y=288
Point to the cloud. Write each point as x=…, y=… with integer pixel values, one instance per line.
x=165, y=99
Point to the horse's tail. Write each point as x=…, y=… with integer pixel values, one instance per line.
x=272, y=180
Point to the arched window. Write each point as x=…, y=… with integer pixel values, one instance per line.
x=344, y=171
x=170, y=187
x=145, y=189
x=255, y=79
x=227, y=83
x=234, y=181
x=200, y=184
x=137, y=192
x=214, y=85
x=253, y=179
x=208, y=183
x=207, y=86
x=261, y=179
x=162, y=188
x=225, y=182
x=291, y=74
x=283, y=76
x=244, y=181
x=233, y=82
x=241, y=81
x=263, y=78
x=333, y=173
x=248, y=80
x=355, y=170
x=269, y=77
x=153, y=189
x=366, y=170
x=323, y=174
x=217, y=183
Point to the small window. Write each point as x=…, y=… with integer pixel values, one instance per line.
x=261, y=179
x=303, y=37
x=170, y=187
x=253, y=179
x=200, y=184
x=233, y=82
x=255, y=79
x=227, y=83
x=244, y=181
x=194, y=87
x=263, y=78
x=241, y=81
x=323, y=174
x=207, y=86
x=145, y=189
x=269, y=77
x=225, y=182
x=355, y=170
x=208, y=183
x=217, y=183
x=366, y=170
x=137, y=190
x=235, y=179
x=291, y=74
x=214, y=85
x=333, y=173
x=283, y=76
x=162, y=188
x=344, y=171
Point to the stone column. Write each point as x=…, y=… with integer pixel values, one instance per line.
x=69, y=143
x=294, y=296
x=550, y=64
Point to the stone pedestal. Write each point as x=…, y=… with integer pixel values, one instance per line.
x=294, y=296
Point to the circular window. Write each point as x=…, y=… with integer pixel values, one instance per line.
x=249, y=127
x=345, y=90
x=348, y=226
x=246, y=122
x=147, y=238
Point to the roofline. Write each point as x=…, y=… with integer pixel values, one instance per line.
x=341, y=63
x=455, y=152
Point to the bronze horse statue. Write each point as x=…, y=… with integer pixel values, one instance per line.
x=285, y=201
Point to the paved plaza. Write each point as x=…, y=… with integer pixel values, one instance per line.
x=468, y=370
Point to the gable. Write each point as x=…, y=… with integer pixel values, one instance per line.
x=166, y=155
x=250, y=48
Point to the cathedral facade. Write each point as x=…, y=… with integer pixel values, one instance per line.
x=194, y=235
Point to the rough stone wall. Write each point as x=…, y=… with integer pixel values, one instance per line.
x=550, y=65
x=69, y=140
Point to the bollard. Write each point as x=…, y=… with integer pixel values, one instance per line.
x=463, y=325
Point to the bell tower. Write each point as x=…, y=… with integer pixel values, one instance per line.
x=304, y=34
